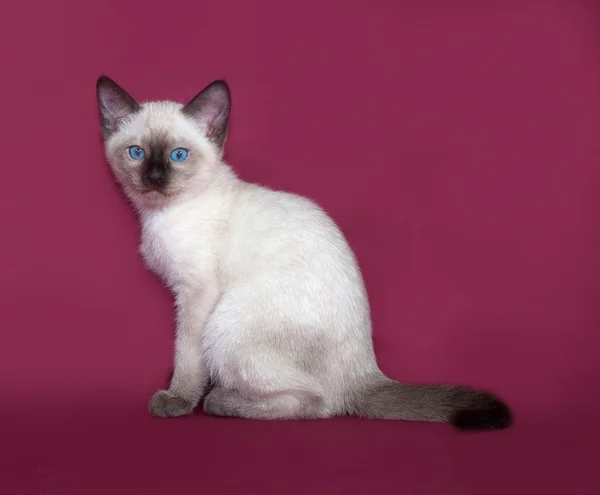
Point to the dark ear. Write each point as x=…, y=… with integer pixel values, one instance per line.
x=210, y=108
x=115, y=104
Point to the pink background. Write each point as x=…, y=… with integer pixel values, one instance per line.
x=455, y=142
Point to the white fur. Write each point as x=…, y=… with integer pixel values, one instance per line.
x=270, y=299
x=271, y=305
x=281, y=270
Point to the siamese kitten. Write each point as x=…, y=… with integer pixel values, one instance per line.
x=272, y=315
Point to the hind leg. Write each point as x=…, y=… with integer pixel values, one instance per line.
x=287, y=405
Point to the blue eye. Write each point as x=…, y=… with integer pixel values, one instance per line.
x=136, y=152
x=179, y=155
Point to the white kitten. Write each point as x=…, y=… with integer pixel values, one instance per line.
x=272, y=315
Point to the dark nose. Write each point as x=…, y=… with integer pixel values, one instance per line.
x=155, y=174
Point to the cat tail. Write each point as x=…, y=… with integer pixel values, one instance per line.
x=464, y=408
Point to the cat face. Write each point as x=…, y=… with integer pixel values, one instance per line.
x=162, y=150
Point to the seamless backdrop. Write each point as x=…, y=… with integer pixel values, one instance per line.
x=457, y=145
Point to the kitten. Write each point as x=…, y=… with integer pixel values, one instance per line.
x=272, y=311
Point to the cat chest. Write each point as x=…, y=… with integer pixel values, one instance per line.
x=175, y=252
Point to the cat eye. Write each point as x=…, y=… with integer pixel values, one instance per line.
x=179, y=154
x=136, y=152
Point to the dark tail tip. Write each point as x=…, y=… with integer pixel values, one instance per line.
x=485, y=413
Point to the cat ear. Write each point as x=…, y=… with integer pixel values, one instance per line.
x=114, y=103
x=210, y=108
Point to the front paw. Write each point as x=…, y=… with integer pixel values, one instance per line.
x=165, y=404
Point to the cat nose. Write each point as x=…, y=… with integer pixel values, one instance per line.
x=155, y=176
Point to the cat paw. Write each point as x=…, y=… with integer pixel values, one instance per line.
x=165, y=404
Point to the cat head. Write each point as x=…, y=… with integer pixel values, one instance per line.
x=162, y=150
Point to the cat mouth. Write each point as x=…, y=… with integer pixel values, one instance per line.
x=152, y=195
x=154, y=192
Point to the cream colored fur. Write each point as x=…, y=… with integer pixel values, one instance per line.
x=271, y=306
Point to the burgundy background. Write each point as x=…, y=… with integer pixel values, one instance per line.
x=455, y=142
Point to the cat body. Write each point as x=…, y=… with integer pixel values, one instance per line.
x=246, y=237
x=272, y=314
